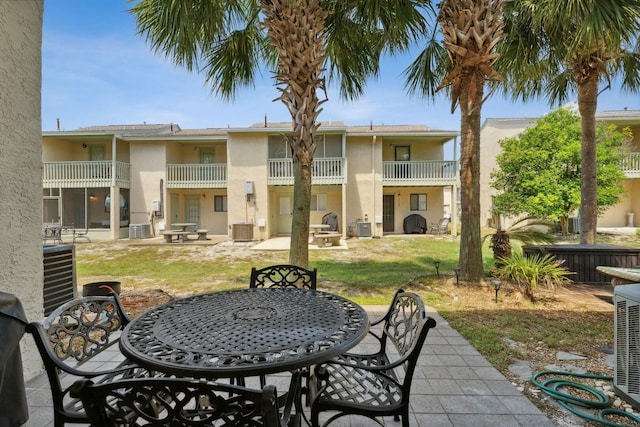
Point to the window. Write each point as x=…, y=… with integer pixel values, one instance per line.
x=418, y=202
x=220, y=203
x=319, y=202
x=403, y=153
x=207, y=155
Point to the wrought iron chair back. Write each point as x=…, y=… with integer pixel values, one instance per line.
x=283, y=276
x=371, y=384
x=69, y=340
x=177, y=402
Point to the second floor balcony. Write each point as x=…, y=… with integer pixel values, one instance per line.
x=208, y=175
x=325, y=171
x=631, y=165
x=416, y=173
x=89, y=174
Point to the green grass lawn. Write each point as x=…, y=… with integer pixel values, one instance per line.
x=368, y=272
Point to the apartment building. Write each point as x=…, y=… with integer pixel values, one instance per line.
x=625, y=213
x=111, y=180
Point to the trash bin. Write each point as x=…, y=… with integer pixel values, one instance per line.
x=100, y=288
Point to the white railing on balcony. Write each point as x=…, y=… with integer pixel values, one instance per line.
x=84, y=174
x=197, y=175
x=432, y=172
x=631, y=165
x=325, y=171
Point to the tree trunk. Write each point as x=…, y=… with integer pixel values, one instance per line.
x=471, y=94
x=587, y=104
x=299, y=247
x=296, y=29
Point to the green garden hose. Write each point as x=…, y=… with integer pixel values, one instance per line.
x=553, y=386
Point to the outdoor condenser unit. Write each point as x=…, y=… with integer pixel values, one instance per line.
x=59, y=262
x=626, y=380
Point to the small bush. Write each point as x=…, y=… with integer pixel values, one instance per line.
x=530, y=272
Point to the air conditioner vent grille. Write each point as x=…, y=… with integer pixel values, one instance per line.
x=622, y=343
x=626, y=380
x=633, y=360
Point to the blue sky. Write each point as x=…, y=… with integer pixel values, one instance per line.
x=96, y=70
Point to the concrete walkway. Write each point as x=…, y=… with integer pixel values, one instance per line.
x=453, y=386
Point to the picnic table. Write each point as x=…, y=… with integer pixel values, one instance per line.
x=184, y=225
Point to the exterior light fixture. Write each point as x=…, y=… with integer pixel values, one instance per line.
x=437, y=265
x=457, y=271
x=496, y=285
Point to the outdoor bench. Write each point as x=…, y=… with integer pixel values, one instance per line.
x=179, y=234
x=202, y=234
x=321, y=239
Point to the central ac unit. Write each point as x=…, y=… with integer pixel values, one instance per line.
x=626, y=380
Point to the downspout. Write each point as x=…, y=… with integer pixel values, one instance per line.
x=114, y=214
x=373, y=185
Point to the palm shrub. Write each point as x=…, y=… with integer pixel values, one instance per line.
x=526, y=230
x=527, y=273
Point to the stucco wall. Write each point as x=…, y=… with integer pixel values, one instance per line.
x=492, y=131
x=247, y=155
x=364, y=188
x=21, y=162
x=148, y=162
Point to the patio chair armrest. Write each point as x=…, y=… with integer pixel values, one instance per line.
x=37, y=330
x=351, y=360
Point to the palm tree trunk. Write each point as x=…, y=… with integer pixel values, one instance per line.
x=471, y=94
x=296, y=29
x=587, y=105
x=299, y=247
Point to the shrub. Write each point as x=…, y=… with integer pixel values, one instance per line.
x=527, y=273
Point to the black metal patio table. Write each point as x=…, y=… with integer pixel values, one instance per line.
x=243, y=333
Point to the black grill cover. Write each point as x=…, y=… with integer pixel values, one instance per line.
x=13, y=397
x=331, y=220
x=414, y=224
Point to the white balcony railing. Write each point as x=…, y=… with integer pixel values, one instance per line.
x=197, y=175
x=84, y=174
x=432, y=172
x=325, y=171
x=631, y=165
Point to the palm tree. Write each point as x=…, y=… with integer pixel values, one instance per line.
x=558, y=48
x=470, y=30
x=230, y=40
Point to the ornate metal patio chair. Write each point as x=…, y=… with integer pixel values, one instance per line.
x=439, y=228
x=283, y=276
x=179, y=402
x=69, y=340
x=378, y=384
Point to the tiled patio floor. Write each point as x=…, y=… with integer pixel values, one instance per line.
x=453, y=386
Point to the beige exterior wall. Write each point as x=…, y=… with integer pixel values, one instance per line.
x=617, y=216
x=435, y=202
x=364, y=187
x=247, y=155
x=148, y=168
x=334, y=204
x=21, y=169
x=492, y=131
x=418, y=150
